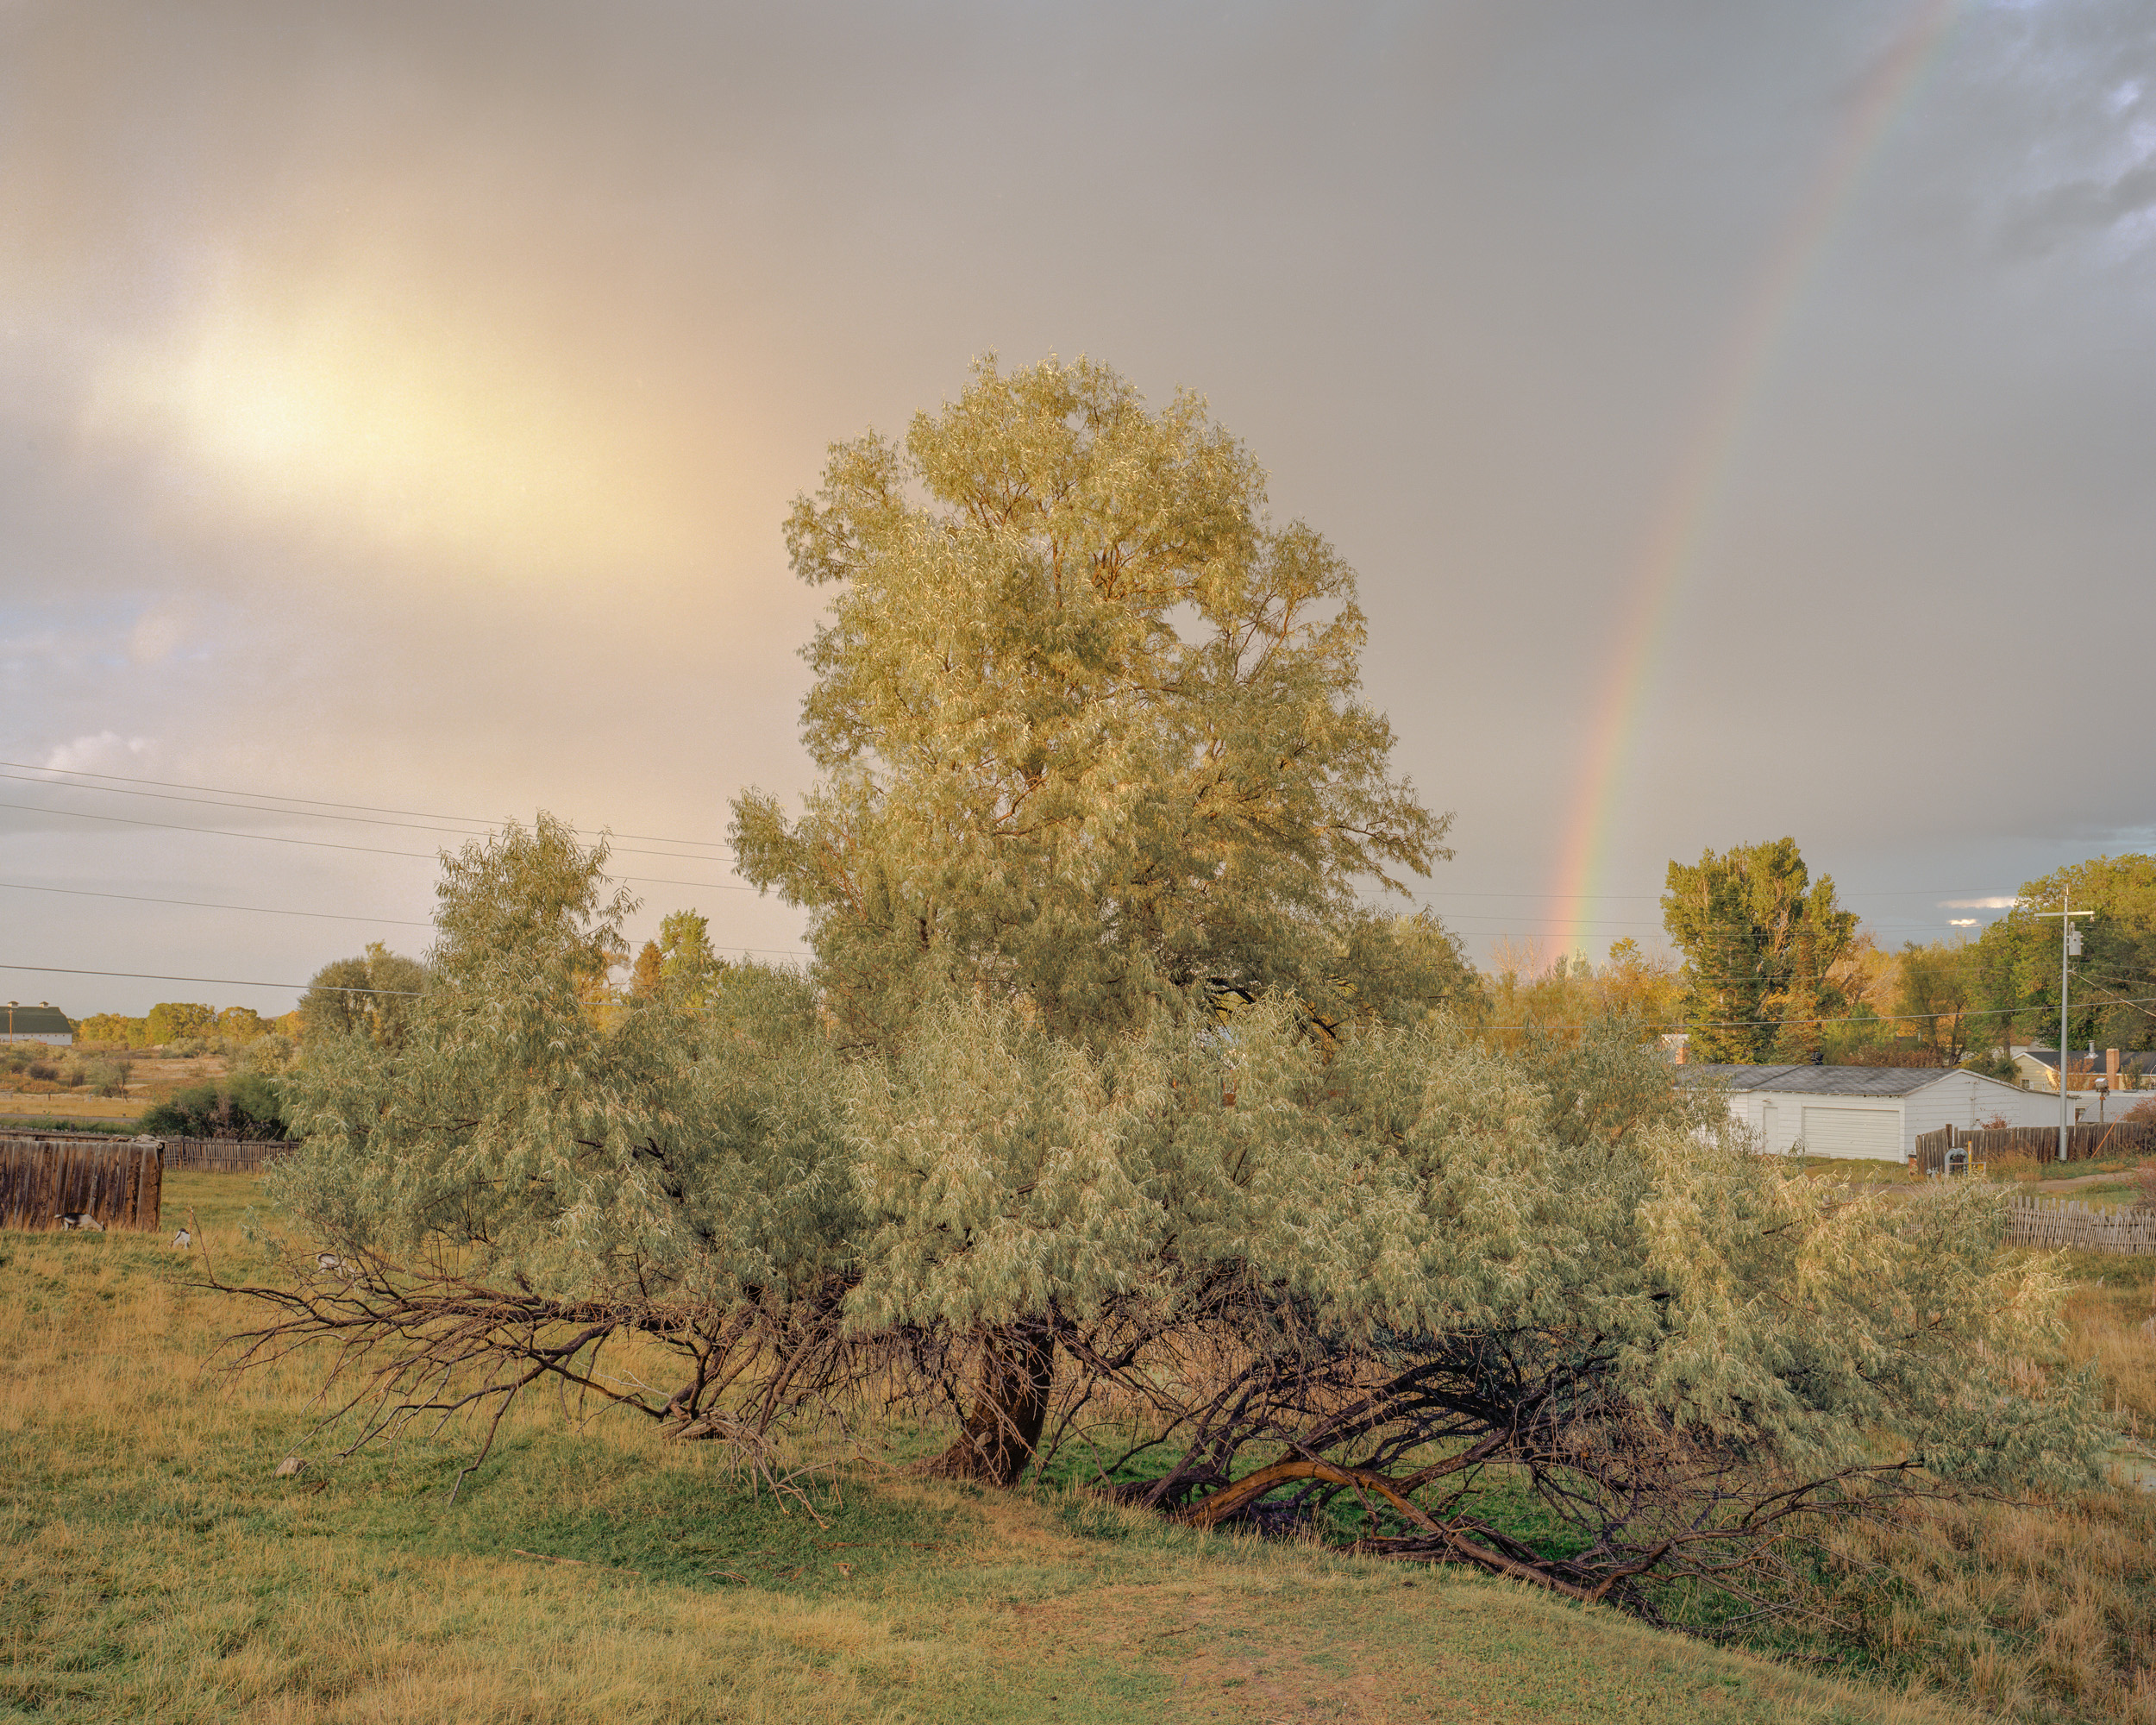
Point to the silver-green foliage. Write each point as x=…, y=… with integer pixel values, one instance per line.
x=1409, y=1191
x=1244, y=1242
x=684, y=1155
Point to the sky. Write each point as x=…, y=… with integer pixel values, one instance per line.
x=1741, y=420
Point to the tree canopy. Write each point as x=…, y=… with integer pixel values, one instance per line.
x=1231, y=1274
x=1094, y=763
x=373, y=994
x=1760, y=939
x=2017, y=956
x=172, y=1020
x=1089, y=724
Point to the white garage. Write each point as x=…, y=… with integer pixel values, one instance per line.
x=1829, y=1130
x=1873, y=1113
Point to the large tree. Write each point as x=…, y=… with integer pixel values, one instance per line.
x=1760, y=938
x=1940, y=1000
x=371, y=995
x=1091, y=737
x=1088, y=723
x=1094, y=765
x=2017, y=957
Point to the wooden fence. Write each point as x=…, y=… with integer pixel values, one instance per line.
x=224, y=1155
x=2050, y=1222
x=118, y=1183
x=2084, y=1143
x=190, y=1155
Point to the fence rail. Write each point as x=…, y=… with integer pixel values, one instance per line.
x=117, y=1184
x=2052, y=1222
x=190, y=1155
x=2087, y=1143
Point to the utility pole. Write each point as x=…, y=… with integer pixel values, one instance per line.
x=2069, y=947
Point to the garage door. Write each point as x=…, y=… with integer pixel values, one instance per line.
x=1853, y=1132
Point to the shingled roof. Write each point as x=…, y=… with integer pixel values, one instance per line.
x=2131, y=1060
x=1824, y=1080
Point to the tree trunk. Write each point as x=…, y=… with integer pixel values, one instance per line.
x=1018, y=1371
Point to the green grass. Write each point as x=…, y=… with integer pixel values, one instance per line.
x=17, y=1124
x=152, y=1567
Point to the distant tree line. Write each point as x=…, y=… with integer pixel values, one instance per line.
x=171, y=1021
x=1776, y=971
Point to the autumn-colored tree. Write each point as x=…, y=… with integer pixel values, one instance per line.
x=1760, y=940
x=1941, y=999
x=643, y=981
x=172, y=1020
x=240, y=1024
x=1529, y=997
x=115, y=1028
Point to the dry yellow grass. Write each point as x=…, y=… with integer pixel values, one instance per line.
x=2039, y=1610
x=153, y=1568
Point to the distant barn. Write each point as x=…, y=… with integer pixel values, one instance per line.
x=41, y=1023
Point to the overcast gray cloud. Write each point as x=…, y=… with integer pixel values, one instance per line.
x=398, y=405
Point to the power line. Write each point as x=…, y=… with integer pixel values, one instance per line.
x=309, y=814
x=61, y=773
x=331, y=845
x=216, y=832
x=224, y=981
x=204, y=905
x=333, y=916
x=243, y=982
x=320, y=802
x=1776, y=1023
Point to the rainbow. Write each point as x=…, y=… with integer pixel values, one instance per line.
x=1670, y=551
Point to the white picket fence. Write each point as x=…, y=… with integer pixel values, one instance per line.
x=2050, y=1222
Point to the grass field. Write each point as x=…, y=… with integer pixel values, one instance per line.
x=20, y=1112
x=156, y=1569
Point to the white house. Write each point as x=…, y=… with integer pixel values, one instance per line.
x=1866, y=1111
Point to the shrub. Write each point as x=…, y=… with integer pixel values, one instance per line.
x=246, y=1107
x=1278, y=1276
x=108, y=1075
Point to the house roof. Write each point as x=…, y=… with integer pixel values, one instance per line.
x=38, y=1020
x=2129, y=1062
x=1828, y=1080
